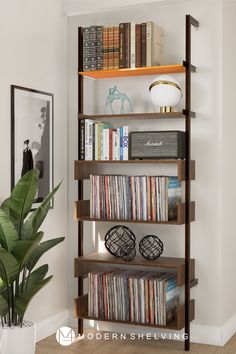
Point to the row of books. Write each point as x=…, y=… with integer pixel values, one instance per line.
x=146, y=198
x=135, y=296
x=127, y=45
x=99, y=141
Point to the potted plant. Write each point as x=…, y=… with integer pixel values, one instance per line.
x=20, y=250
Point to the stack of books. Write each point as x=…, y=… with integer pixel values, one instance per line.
x=99, y=141
x=135, y=296
x=146, y=198
x=127, y=45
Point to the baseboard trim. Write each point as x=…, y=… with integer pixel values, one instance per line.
x=228, y=329
x=211, y=335
x=50, y=325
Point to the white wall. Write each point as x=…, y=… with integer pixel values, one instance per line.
x=33, y=54
x=228, y=245
x=81, y=7
x=206, y=142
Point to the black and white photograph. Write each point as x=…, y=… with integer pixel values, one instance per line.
x=32, y=137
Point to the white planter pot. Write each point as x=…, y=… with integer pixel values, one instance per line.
x=13, y=339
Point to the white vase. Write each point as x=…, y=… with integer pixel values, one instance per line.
x=15, y=338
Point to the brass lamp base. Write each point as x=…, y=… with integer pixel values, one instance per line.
x=165, y=109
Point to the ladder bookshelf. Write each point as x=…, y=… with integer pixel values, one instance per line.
x=184, y=267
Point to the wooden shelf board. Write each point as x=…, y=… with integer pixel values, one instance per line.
x=87, y=218
x=84, y=168
x=150, y=70
x=81, y=311
x=82, y=211
x=85, y=264
x=101, y=257
x=156, y=161
x=145, y=116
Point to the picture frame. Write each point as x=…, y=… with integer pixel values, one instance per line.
x=32, y=115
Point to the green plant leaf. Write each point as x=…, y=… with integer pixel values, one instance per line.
x=34, y=277
x=3, y=306
x=22, y=198
x=40, y=250
x=9, y=266
x=24, y=249
x=8, y=233
x=37, y=276
x=5, y=207
x=37, y=217
x=24, y=299
x=2, y=284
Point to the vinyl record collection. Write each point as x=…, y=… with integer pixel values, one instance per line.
x=135, y=296
x=147, y=198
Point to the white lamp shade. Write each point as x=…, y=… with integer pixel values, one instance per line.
x=165, y=91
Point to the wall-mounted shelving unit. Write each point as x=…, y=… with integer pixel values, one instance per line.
x=184, y=267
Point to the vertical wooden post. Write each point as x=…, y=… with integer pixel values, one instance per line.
x=188, y=66
x=80, y=182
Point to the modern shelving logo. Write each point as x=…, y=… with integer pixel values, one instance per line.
x=65, y=336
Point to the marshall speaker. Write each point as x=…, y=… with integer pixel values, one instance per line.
x=157, y=145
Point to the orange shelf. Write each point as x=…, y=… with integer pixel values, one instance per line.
x=150, y=70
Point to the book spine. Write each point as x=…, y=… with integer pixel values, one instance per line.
x=144, y=197
x=116, y=47
x=86, y=140
x=118, y=145
x=86, y=49
x=99, y=46
x=93, y=44
x=121, y=45
x=99, y=140
x=153, y=196
x=93, y=141
x=110, y=48
x=110, y=144
x=82, y=137
x=105, y=144
x=157, y=45
x=121, y=143
x=149, y=214
x=125, y=143
x=91, y=195
x=138, y=45
x=105, y=47
x=96, y=141
x=158, y=198
x=114, y=143
x=132, y=45
x=143, y=45
x=149, y=40
x=127, y=45
x=133, y=204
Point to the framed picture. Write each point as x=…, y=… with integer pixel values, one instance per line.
x=32, y=137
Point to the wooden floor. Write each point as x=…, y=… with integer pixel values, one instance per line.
x=50, y=346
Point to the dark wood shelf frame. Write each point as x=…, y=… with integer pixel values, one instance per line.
x=186, y=312
x=84, y=265
x=84, y=168
x=145, y=116
x=82, y=212
x=81, y=311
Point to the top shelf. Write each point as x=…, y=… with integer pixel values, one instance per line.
x=149, y=70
